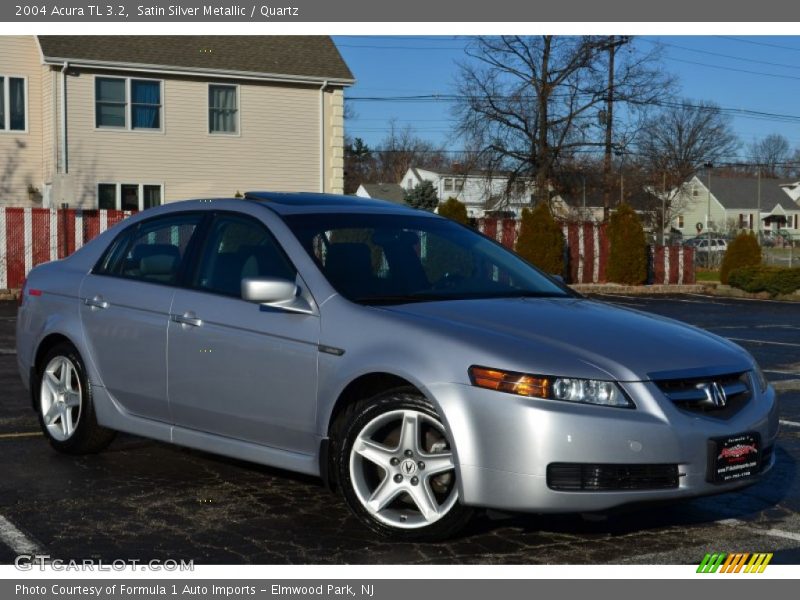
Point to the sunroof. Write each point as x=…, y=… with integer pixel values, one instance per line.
x=310, y=199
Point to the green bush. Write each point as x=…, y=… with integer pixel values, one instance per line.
x=455, y=210
x=627, y=257
x=423, y=196
x=743, y=251
x=540, y=240
x=759, y=278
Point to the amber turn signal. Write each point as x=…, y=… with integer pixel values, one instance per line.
x=510, y=382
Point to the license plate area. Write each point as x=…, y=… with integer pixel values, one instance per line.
x=734, y=458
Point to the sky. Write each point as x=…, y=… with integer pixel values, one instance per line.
x=758, y=73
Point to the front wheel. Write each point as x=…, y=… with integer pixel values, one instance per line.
x=396, y=468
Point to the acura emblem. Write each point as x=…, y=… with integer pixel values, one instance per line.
x=715, y=394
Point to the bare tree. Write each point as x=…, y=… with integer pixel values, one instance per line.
x=530, y=103
x=770, y=153
x=678, y=140
x=403, y=148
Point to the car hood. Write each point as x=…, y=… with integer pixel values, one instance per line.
x=579, y=338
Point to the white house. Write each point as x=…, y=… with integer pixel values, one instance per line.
x=737, y=203
x=480, y=191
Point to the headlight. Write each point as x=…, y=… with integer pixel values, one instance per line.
x=760, y=378
x=585, y=391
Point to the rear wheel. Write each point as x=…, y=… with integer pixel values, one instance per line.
x=66, y=407
x=396, y=467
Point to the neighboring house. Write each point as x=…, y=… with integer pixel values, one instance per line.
x=572, y=207
x=480, y=191
x=737, y=203
x=129, y=122
x=393, y=192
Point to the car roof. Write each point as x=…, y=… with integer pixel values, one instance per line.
x=285, y=203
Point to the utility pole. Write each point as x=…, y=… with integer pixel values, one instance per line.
x=758, y=214
x=664, y=209
x=613, y=44
x=708, y=167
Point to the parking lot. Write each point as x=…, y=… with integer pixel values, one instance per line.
x=147, y=500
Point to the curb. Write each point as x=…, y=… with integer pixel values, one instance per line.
x=638, y=290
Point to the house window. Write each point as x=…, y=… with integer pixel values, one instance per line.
x=519, y=187
x=458, y=185
x=126, y=103
x=680, y=221
x=128, y=196
x=13, y=104
x=223, y=109
x=410, y=184
x=448, y=184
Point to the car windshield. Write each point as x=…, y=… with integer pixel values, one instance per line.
x=395, y=259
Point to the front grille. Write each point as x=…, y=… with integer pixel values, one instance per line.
x=691, y=393
x=586, y=477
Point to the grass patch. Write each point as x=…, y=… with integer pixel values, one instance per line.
x=706, y=275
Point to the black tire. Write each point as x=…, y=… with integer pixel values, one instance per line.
x=346, y=429
x=88, y=437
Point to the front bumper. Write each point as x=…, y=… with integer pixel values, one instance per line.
x=503, y=444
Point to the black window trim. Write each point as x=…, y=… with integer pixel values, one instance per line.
x=200, y=249
x=130, y=232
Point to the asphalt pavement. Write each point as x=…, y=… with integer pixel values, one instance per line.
x=145, y=500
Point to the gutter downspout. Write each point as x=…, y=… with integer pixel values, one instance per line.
x=322, y=136
x=64, y=158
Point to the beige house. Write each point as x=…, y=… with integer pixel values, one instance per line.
x=129, y=122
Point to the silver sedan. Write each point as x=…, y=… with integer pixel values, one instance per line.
x=416, y=366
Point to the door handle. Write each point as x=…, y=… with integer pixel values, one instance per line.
x=187, y=318
x=96, y=302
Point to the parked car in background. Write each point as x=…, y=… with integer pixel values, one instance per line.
x=702, y=243
x=417, y=366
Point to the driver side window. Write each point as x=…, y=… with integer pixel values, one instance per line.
x=237, y=248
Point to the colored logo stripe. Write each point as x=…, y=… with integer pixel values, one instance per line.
x=734, y=563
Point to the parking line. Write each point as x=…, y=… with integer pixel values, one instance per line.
x=779, y=533
x=7, y=351
x=789, y=423
x=22, y=434
x=764, y=342
x=15, y=539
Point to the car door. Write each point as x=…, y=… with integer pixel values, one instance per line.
x=239, y=369
x=125, y=304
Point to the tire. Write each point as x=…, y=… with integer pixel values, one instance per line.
x=412, y=495
x=64, y=403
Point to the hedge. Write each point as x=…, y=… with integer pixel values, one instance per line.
x=540, y=240
x=743, y=251
x=759, y=278
x=627, y=257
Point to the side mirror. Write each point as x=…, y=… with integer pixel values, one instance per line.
x=276, y=293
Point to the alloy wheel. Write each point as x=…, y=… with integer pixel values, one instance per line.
x=61, y=398
x=403, y=470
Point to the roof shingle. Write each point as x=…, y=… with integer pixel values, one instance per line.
x=314, y=56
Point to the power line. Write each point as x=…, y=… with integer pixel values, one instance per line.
x=722, y=55
x=755, y=43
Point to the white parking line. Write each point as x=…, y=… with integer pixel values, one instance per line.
x=779, y=533
x=789, y=423
x=793, y=345
x=7, y=351
x=15, y=539
x=23, y=434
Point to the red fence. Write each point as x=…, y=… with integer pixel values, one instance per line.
x=30, y=236
x=588, y=248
